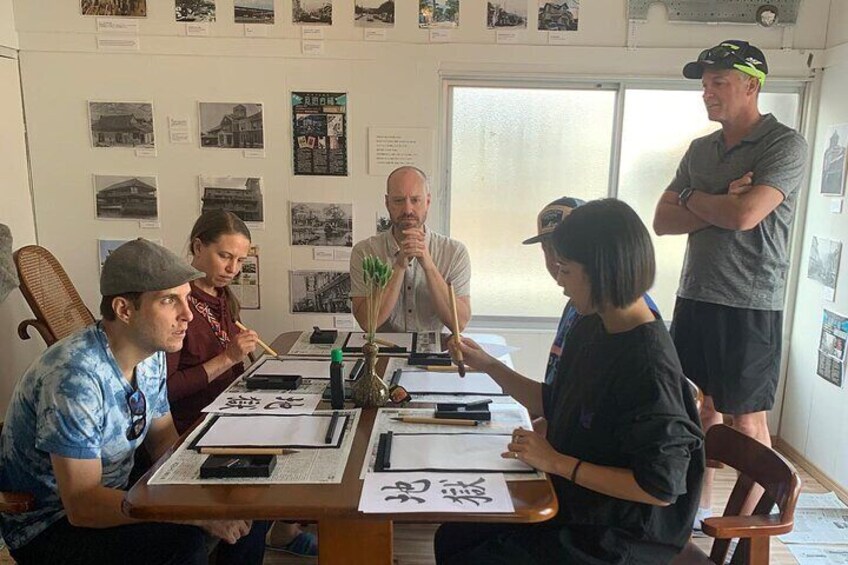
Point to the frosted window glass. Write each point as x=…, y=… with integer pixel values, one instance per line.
x=658, y=127
x=513, y=151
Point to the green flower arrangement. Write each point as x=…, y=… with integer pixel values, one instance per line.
x=377, y=274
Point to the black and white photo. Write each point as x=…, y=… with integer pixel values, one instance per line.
x=374, y=13
x=438, y=13
x=312, y=12
x=194, y=10
x=320, y=292
x=558, y=15
x=240, y=195
x=824, y=261
x=127, y=8
x=834, y=162
x=253, y=11
x=322, y=224
x=384, y=222
x=121, y=124
x=120, y=197
x=231, y=125
x=506, y=14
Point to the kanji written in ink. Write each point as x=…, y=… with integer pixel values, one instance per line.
x=281, y=403
x=405, y=490
x=241, y=402
x=460, y=492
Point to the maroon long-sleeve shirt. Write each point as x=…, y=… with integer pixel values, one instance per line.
x=189, y=389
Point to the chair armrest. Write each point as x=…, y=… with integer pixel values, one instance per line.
x=16, y=502
x=727, y=527
x=45, y=333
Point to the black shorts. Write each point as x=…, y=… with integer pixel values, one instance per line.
x=733, y=354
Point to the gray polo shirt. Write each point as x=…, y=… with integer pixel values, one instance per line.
x=414, y=311
x=742, y=269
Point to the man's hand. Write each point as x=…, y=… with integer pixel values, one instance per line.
x=229, y=531
x=414, y=246
x=741, y=185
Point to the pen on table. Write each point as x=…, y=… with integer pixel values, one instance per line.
x=262, y=344
x=247, y=451
x=438, y=421
x=460, y=362
x=331, y=429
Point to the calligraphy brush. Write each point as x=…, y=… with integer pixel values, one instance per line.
x=460, y=362
x=264, y=345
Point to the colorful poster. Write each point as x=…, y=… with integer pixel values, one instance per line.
x=319, y=131
x=831, y=364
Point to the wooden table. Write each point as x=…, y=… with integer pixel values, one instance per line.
x=345, y=535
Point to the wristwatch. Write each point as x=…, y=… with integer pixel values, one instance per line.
x=684, y=196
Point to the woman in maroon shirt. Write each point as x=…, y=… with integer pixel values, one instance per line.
x=213, y=350
x=212, y=355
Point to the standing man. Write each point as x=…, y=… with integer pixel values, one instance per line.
x=82, y=409
x=734, y=194
x=423, y=262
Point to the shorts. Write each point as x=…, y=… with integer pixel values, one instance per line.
x=733, y=354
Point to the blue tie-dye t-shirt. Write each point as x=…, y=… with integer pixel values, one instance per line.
x=72, y=402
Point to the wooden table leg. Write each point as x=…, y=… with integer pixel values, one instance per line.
x=354, y=542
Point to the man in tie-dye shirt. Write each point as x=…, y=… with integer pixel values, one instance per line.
x=82, y=409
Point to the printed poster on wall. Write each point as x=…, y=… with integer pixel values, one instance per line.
x=319, y=131
x=831, y=363
x=245, y=286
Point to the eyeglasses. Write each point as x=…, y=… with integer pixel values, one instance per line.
x=137, y=404
x=723, y=51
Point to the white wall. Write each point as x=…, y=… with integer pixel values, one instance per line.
x=837, y=26
x=396, y=83
x=815, y=421
x=8, y=35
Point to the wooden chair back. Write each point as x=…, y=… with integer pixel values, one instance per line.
x=756, y=465
x=59, y=310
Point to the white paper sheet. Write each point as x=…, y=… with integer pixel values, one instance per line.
x=426, y=382
x=453, y=452
x=271, y=431
x=268, y=403
x=819, y=555
x=307, y=466
x=434, y=492
x=820, y=500
x=819, y=526
x=505, y=418
x=308, y=369
x=303, y=347
x=357, y=340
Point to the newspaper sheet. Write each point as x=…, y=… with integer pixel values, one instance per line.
x=819, y=555
x=819, y=526
x=322, y=350
x=307, y=466
x=505, y=418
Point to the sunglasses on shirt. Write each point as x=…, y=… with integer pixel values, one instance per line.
x=722, y=52
x=137, y=404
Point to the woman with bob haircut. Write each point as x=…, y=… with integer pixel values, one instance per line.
x=623, y=445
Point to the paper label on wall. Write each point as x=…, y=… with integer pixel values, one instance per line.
x=390, y=148
x=255, y=30
x=149, y=224
x=145, y=152
x=312, y=32
x=835, y=206
x=435, y=492
x=558, y=37
x=115, y=25
x=344, y=323
x=197, y=28
x=506, y=37
x=322, y=253
x=374, y=35
x=178, y=130
x=341, y=254
x=118, y=43
x=254, y=153
x=312, y=48
x=440, y=35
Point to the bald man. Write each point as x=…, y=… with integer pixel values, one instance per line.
x=423, y=262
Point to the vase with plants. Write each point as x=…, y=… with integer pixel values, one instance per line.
x=370, y=390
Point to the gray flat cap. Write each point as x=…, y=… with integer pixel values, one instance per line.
x=142, y=266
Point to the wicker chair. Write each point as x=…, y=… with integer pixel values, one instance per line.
x=59, y=310
x=756, y=464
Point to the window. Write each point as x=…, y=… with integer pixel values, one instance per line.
x=513, y=150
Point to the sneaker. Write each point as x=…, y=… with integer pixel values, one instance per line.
x=304, y=544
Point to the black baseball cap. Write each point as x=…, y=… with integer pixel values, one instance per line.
x=730, y=54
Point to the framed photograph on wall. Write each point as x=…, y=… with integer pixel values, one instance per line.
x=374, y=13
x=240, y=195
x=122, y=197
x=119, y=8
x=194, y=10
x=561, y=15
x=509, y=14
x=253, y=11
x=231, y=125
x=824, y=264
x=320, y=292
x=834, y=162
x=312, y=12
x=121, y=124
x=438, y=14
x=322, y=224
